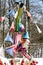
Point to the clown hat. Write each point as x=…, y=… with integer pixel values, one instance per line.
x=9, y=51
x=26, y=36
x=8, y=38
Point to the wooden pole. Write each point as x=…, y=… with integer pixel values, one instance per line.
x=28, y=19
x=0, y=8
x=3, y=21
x=9, y=1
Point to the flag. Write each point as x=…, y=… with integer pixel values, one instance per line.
x=18, y=38
x=2, y=18
x=28, y=13
x=8, y=38
x=9, y=51
x=12, y=12
x=7, y=5
x=24, y=8
x=20, y=11
x=12, y=2
x=38, y=28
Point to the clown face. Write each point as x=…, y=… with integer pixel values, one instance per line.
x=26, y=44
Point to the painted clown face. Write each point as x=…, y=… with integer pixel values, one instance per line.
x=26, y=44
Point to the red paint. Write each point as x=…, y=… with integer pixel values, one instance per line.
x=12, y=62
x=22, y=62
x=33, y=63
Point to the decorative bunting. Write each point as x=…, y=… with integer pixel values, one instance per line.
x=24, y=8
x=28, y=13
x=14, y=48
x=7, y=5
x=20, y=11
x=2, y=18
x=12, y=12
x=9, y=51
x=17, y=38
x=12, y=2
x=38, y=28
x=26, y=35
x=8, y=38
x=19, y=44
